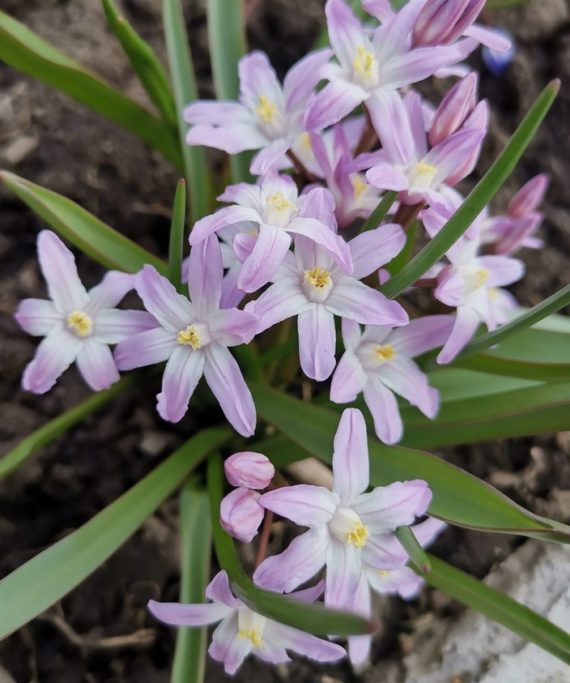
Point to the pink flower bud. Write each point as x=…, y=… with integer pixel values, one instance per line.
x=441, y=22
x=249, y=469
x=454, y=109
x=528, y=197
x=241, y=514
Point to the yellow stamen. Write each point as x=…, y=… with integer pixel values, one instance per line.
x=306, y=142
x=364, y=62
x=428, y=169
x=189, y=337
x=280, y=202
x=481, y=276
x=384, y=573
x=80, y=323
x=318, y=277
x=385, y=352
x=265, y=109
x=357, y=535
x=251, y=635
x=358, y=185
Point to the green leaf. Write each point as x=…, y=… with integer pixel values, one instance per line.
x=226, y=37
x=418, y=555
x=380, y=212
x=499, y=607
x=478, y=198
x=59, y=425
x=185, y=91
x=30, y=54
x=47, y=577
x=146, y=64
x=82, y=229
x=196, y=541
x=458, y=497
x=314, y=618
x=522, y=412
x=176, y=247
x=455, y=384
x=545, y=308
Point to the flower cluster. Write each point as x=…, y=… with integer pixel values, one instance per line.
x=298, y=242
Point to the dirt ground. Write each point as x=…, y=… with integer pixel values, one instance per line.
x=49, y=139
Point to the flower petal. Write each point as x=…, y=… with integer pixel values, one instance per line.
x=391, y=121
x=359, y=646
x=232, y=138
x=322, y=235
x=217, y=112
x=352, y=299
x=37, y=316
x=335, y=101
x=304, y=504
x=270, y=249
x=97, y=365
x=317, y=649
x=403, y=376
x=343, y=574
x=218, y=590
x=388, y=177
x=266, y=159
x=282, y=300
x=302, y=78
x=317, y=340
x=172, y=310
x=112, y=325
x=258, y=78
x=110, y=291
x=53, y=356
x=145, y=348
x=224, y=378
x=389, y=507
x=205, y=273
x=349, y=379
x=502, y=270
x=230, y=327
x=374, y=248
x=351, y=469
x=299, y=562
x=402, y=581
x=229, y=215
x=181, y=375
x=179, y=614
x=421, y=335
x=346, y=33
x=227, y=647
x=384, y=409
x=466, y=323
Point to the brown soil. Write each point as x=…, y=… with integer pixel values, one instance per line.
x=109, y=172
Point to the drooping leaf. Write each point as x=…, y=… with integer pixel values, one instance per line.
x=176, y=246
x=145, y=63
x=499, y=607
x=478, y=198
x=314, y=618
x=196, y=540
x=47, y=577
x=458, y=497
x=185, y=91
x=81, y=228
x=25, y=51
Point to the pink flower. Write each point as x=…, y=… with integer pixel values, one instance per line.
x=311, y=286
x=371, y=63
x=269, y=117
x=78, y=325
x=243, y=631
x=249, y=469
x=379, y=363
x=241, y=514
x=194, y=338
x=276, y=208
x=346, y=525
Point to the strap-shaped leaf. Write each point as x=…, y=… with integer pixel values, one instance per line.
x=499, y=607
x=59, y=425
x=226, y=37
x=46, y=578
x=176, y=243
x=185, y=91
x=458, y=497
x=314, y=618
x=189, y=664
x=81, y=228
x=478, y=198
x=145, y=63
x=27, y=52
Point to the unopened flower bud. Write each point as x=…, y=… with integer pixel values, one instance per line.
x=442, y=22
x=497, y=60
x=529, y=197
x=241, y=514
x=455, y=107
x=249, y=469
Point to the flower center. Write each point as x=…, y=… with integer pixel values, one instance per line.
x=358, y=185
x=80, y=323
x=318, y=277
x=252, y=635
x=422, y=176
x=384, y=573
x=265, y=109
x=481, y=276
x=189, y=337
x=385, y=352
x=347, y=527
x=279, y=201
x=357, y=535
x=364, y=63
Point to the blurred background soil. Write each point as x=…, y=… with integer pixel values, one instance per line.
x=101, y=632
